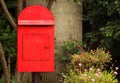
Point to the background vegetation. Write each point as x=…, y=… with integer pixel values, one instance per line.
x=102, y=23
x=8, y=36
x=87, y=66
x=101, y=27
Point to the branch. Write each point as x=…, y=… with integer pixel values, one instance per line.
x=9, y=65
x=24, y=3
x=4, y=65
x=20, y=6
x=9, y=17
x=50, y=2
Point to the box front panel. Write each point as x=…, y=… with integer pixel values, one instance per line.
x=36, y=47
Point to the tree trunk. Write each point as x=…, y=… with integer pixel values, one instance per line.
x=68, y=26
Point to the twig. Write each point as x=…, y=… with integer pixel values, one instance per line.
x=50, y=2
x=20, y=6
x=9, y=65
x=23, y=77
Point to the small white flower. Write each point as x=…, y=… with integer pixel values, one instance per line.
x=85, y=74
x=97, y=75
x=98, y=69
x=89, y=76
x=91, y=50
x=115, y=73
x=85, y=70
x=77, y=70
x=64, y=76
x=93, y=80
x=80, y=64
x=116, y=68
x=90, y=68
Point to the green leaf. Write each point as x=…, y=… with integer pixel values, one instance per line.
x=14, y=80
x=11, y=4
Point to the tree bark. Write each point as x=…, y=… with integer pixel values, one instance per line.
x=4, y=65
x=50, y=2
x=9, y=17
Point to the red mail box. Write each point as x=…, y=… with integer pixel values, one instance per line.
x=35, y=49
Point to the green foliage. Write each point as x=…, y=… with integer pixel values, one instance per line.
x=110, y=32
x=7, y=38
x=86, y=59
x=7, y=34
x=87, y=66
x=101, y=20
x=69, y=48
x=11, y=4
x=78, y=2
x=92, y=75
x=13, y=80
x=92, y=39
x=106, y=36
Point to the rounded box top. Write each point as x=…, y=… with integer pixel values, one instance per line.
x=35, y=15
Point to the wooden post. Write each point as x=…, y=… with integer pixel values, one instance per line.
x=35, y=77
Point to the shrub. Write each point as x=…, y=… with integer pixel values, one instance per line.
x=92, y=75
x=69, y=48
x=87, y=66
x=96, y=58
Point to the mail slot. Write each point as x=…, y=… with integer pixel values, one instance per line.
x=35, y=40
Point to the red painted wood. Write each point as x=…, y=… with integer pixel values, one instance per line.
x=35, y=40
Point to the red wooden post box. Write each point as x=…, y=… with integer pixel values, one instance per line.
x=35, y=49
